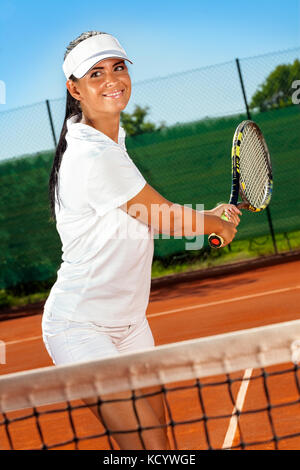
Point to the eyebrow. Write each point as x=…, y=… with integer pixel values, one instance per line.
x=117, y=63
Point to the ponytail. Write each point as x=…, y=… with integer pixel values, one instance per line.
x=72, y=109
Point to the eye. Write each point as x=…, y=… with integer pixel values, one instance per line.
x=94, y=74
x=120, y=67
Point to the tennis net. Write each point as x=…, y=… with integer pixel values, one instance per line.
x=237, y=390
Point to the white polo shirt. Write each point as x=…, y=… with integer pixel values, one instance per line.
x=105, y=273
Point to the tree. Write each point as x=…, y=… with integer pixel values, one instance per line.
x=135, y=124
x=276, y=91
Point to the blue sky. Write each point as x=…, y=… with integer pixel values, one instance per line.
x=161, y=36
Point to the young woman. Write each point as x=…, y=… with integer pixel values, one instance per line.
x=102, y=206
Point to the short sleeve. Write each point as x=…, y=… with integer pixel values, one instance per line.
x=113, y=180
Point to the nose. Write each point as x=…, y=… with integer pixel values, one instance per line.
x=110, y=79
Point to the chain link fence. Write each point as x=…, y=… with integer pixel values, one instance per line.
x=188, y=160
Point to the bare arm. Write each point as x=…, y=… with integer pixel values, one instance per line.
x=164, y=216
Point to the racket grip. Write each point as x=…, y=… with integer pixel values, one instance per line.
x=214, y=240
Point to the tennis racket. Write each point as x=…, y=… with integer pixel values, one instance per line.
x=251, y=173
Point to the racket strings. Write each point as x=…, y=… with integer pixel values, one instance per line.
x=254, y=168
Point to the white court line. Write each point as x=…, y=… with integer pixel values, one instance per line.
x=32, y=338
x=240, y=400
x=220, y=302
x=192, y=307
x=230, y=434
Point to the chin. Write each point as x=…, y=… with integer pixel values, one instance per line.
x=116, y=107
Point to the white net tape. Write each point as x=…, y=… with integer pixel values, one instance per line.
x=204, y=357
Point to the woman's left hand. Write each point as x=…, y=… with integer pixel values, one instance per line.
x=230, y=211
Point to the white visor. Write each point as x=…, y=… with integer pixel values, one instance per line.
x=90, y=51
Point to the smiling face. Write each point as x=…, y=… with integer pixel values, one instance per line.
x=105, y=88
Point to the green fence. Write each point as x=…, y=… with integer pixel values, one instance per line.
x=191, y=164
x=188, y=161
x=188, y=164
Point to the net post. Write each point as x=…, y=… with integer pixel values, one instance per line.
x=250, y=118
x=51, y=123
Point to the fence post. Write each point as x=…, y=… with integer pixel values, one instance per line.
x=243, y=88
x=249, y=117
x=51, y=122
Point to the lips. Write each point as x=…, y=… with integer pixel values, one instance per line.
x=114, y=94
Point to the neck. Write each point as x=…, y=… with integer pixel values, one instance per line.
x=108, y=125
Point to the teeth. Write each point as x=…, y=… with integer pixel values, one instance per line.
x=117, y=93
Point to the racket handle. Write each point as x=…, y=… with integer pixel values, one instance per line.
x=214, y=240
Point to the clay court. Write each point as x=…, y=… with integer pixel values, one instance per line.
x=178, y=312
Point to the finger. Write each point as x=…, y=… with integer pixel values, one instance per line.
x=235, y=209
x=233, y=218
x=243, y=205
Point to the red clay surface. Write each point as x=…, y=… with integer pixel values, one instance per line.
x=180, y=312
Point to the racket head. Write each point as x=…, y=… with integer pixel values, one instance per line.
x=251, y=168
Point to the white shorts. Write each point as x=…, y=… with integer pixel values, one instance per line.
x=69, y=341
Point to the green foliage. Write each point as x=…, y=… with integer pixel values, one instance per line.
x=276, y=92
x=135, y=124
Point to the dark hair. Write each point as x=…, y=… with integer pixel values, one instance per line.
x=72, y=109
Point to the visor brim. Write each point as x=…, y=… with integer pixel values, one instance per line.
x=83, y=68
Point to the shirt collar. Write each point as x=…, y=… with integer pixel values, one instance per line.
x=83, y=131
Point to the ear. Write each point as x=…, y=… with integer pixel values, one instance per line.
x=73, y=89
